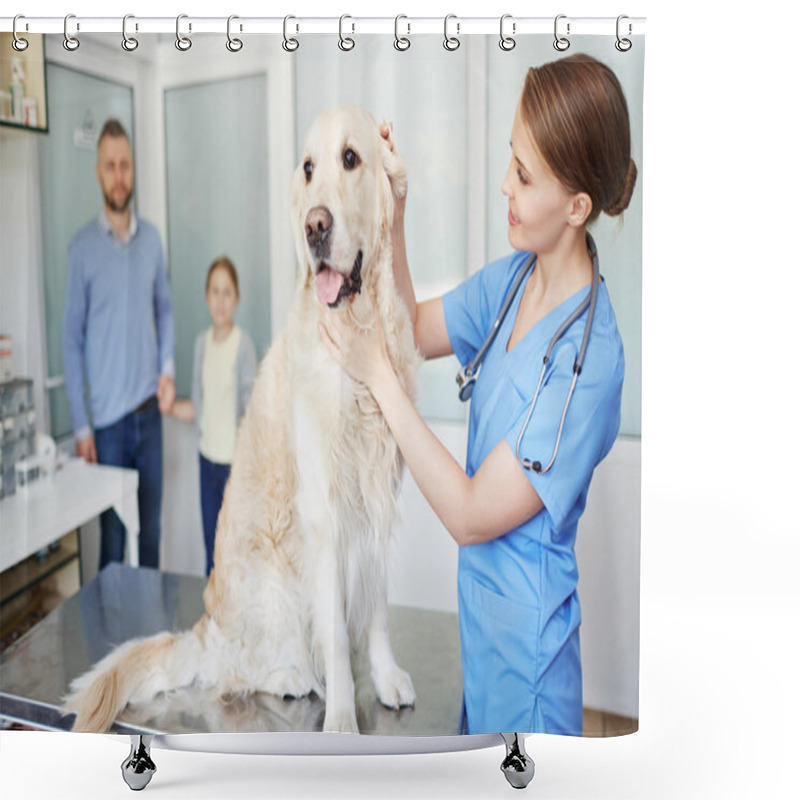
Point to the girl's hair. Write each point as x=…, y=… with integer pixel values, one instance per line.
x=223, y=262
x=576, y=113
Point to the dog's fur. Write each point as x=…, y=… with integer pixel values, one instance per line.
x=302, y=535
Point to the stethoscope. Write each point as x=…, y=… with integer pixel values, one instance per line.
x=468, y=375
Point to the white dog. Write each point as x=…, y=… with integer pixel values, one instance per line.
x=301, y=547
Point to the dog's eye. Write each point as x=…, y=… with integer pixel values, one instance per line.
x=308, y=168
x=350, y=159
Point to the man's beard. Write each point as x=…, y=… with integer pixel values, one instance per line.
x=118, y=208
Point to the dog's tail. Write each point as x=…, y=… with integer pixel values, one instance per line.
x=134, y=672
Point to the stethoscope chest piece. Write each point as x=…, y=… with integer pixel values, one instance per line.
x=465, y=379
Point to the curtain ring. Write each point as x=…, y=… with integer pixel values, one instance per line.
x=401, y=42
x=507, y=42
x=289, y=44
x=183, y=43
x=233, y=44
x=623, y=45
x=561, y=43
x=451, y=42
x=70, y=42
x=19, y=44
x=345, y=42
x=129, y=43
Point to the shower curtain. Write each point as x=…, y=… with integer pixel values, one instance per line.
x=216, y=135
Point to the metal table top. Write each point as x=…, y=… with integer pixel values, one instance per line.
x=123, y=602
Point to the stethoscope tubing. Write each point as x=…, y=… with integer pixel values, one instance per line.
x=466, y=378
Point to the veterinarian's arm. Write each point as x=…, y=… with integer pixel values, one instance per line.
x=402, y=276
x=496, y=499
x=430, y=330
x=427, y=318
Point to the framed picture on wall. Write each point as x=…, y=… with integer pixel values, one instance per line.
x=23, y=88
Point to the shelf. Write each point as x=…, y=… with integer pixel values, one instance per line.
x=23, y=87
x=28, y=573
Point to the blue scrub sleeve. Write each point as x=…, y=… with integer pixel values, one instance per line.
x=472, y=307
x=590, y=427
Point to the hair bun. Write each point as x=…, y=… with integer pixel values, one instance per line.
x=626, y=190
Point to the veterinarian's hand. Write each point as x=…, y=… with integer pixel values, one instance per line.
x=387, y=132
x=361, y=352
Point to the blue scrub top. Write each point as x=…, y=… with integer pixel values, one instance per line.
x=517, y=595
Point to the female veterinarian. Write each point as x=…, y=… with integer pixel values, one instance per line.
x=514, y=511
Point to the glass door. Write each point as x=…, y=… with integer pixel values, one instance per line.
x=217, y=204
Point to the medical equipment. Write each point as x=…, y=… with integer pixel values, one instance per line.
x=468, y=375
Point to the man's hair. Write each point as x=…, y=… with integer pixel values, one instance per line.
x=114, y=128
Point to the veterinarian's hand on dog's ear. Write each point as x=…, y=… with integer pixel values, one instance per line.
x=361, y=352
x=387, y=132
x=387, y=129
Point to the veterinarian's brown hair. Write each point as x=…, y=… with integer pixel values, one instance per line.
x=223, y=262
x=576, y=114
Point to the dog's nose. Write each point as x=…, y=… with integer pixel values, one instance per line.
x=318, y=225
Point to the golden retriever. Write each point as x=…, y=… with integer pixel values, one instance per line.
x=301, y=546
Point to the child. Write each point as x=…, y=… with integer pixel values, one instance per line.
x=224, y=369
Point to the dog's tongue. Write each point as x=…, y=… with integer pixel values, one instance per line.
x=328, y=283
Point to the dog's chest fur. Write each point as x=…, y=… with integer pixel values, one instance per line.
x=348, y=466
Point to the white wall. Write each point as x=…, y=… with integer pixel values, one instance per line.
x=607, y=549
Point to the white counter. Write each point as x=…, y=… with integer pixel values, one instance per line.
x=49, y=508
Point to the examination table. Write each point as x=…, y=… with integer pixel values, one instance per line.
x=124, y=602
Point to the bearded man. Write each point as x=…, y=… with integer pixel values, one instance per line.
x=119, y=341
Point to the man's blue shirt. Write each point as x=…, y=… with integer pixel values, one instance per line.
x=118, y=328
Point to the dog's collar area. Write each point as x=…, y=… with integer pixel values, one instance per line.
x=351, y=285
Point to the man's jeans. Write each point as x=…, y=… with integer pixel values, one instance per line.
x=134, y=442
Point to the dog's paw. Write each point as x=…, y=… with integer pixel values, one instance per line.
x=394, y=687
x=340, y=720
